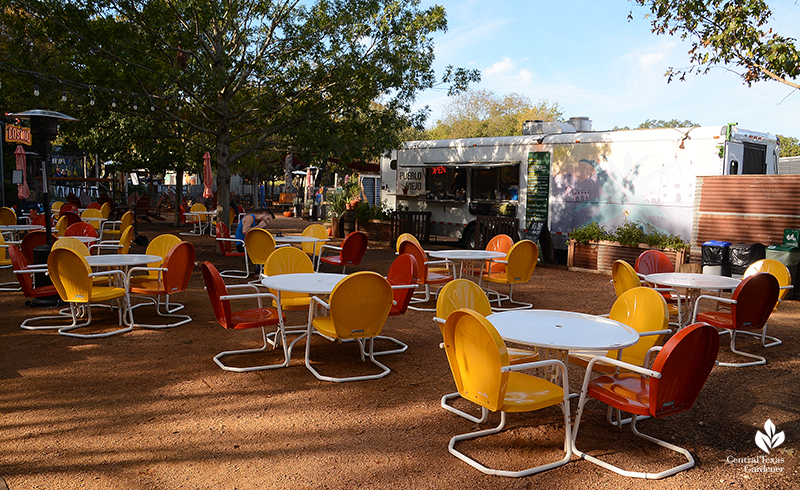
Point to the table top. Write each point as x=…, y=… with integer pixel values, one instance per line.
x=298, y=239
x=466, y=254
x=21, y=227
x=204, y=213
x=84, y=239
x=565, y=330
x=692, y=280
x=306, y=282
x=122, y=260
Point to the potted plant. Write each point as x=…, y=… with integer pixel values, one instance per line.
x=375, y=221
x=592, y=247
x=405, y=188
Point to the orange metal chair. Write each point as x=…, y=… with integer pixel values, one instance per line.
x=751, y=305
x=226, y=244
x=23, y=274
x=409, y=237
x=519, y=265
x=39, y=219
x=81, y=229
x=679, y=372
x=93, y=205
x=260, y=317
x=402, y=276
x=351, y=252
x=173, y=278
x=483, y=374
x=358, y=308
x=499, y=243
x=426, y=277
x=655, y=262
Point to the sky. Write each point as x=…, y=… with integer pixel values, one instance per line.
x=589, y=58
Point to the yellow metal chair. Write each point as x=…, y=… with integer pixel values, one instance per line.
x=463, y=293
x=259, y=245
x=113, y=229
x=105, y=210
x=8, y=216
x=196, y=220
x=482, y=372
x=784, y=277
x=5, y=263
x=121, y=246
x=160, y=246
x=358, y=307
x=56, y=206
x=519, y=265
x=93, y=217
x=289, y=260
x=61, y=226
x=313, y=248
x=625, y=277
x=72, y=278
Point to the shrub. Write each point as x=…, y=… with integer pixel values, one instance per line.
x=629, y=233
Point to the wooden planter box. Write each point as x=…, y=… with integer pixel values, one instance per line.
x=376, y=230
x=599, y=256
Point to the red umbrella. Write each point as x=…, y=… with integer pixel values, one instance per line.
x=208, y=178
x=22, y=189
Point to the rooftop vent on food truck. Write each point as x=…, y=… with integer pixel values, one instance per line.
x=541, y=127
x=580, y=123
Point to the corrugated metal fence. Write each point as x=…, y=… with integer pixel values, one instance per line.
x=744, y=209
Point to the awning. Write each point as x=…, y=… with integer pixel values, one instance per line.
x=465, y=164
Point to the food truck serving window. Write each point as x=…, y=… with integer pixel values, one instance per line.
x=496, y=183
x=446, y=182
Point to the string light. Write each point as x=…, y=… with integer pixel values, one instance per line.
x=64, y=96
x=36, y=91
x=135, y=106
x=91, y=100
x=114, y=103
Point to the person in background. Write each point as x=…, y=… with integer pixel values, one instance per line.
x=262, y=196
x=255, y=220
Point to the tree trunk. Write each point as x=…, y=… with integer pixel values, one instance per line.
x=178, y=196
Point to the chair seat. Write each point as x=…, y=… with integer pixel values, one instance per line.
x=234, y=254
x=332, y=259
x=497, y=277
x=629, y=392
x=104, y=293
x=5, y=262
x=719, y=319
x=254, y=318
x=436, y=278
x=521, y=356
x=294, y=303
x=324, y=325
x=43, y=291
x=526, y=393
x=148, y=286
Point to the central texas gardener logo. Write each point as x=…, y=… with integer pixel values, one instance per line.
x=770, y=440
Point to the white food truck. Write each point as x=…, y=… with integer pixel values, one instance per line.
x=555, y=177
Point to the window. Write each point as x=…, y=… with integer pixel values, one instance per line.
x=496, y=183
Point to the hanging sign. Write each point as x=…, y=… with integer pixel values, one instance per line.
x=18, y=134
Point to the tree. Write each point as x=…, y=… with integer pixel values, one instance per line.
x=727, y=33
x=660, y=123
x=481, y=113
x=243, y=78
x=790, y=147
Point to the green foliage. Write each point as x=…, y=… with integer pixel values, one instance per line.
x=726, y=33
x=629, y=233
x=342, y=196
x=660, y=123
x=481, y=113
x=790, y=147
x=365, y=212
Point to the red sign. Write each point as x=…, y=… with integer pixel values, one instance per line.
x=17, y=134
x=440, y=170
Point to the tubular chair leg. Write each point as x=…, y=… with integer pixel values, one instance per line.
x=63, y=314
x=384, y=370
x=452, y=396
x=429, y=296
x=287, y=354
x=168, y=313
x=67, y=330
x=764, y=337
x=510, y=298
x=759, y=360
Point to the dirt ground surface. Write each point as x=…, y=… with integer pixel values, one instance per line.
x=149, y=409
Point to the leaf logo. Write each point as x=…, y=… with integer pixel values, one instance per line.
x=770, y=440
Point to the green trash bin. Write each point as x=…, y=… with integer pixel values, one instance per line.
x=791, y=237
x=789, y=256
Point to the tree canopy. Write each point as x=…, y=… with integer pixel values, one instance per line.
x=790, y=147
x=240, y=79
x=482, y=113
x=661, y=123
x=723, y=32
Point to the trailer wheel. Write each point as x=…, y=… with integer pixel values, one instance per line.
x=470, y=237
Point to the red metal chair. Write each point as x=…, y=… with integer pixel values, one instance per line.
x=94, y=205
x=350, y=253
x=260, y=317
x=656, y=262
x=174, y=276
x=402, y=276
x=426, y=277
x=672, y=385
x=81, y=229
x=39, y=219
x=32, y=240
x=68, y=208
x=751, y=305
x=226, y=243
x=23, y=273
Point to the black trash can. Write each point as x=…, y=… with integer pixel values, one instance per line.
x=744, y=254
x=716, y=258
x=789, y=256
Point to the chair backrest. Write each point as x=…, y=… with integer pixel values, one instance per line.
x=93, y=205
x=61, y=226
x=126, y=220
x=160, y=245
x=125, y=240
x=105, y=209
x=259, y=244
x=179, y=263
x=406, y=236
x=684, y=362
x=777, y=269
x=624, y=277
x=92, y=213
x=402, y=272
x=72, y=217
x=215, y=287
x=31, y=240
x=72, y=244
x=39, y=220
x=461, y=293
x=644, y=310
x=195, y=207
x=755, y=299
x=522, y=260
x=500, y=243
x=69, y=272
x=3, y=248
x=367, y=293
x=182, y=213
x=68, y=208
x=353, y=247
x=81, y=229
x=223, y=232
x=316, y=231
x=56, y=206
x=7, y=216
x=413, y=248
x=18, y=263
x=653, y=262
x=288, y=260
x=476, y=352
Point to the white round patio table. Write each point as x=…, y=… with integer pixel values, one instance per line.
x=122, y=260
x=693, y=283
x=15, y=230
x=305, y=282
x=205, y=221
x=466, y=257
x=85, y=239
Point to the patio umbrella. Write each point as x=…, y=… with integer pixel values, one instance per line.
x=22, y=189
x=208, y=178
